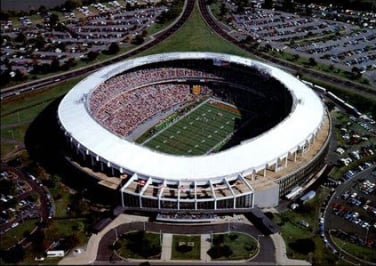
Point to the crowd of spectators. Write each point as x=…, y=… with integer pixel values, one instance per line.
x=125, y=101
x=129, y=109
x=116, y=85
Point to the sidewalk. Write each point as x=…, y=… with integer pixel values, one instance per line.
x=89, y=254
x=280, y=252
x=166, y=247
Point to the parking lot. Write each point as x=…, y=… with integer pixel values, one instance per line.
x=23, y=197
x=86, y=29
x=351, y=214
x=331, y=42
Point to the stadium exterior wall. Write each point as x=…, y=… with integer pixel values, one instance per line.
x=135, y=196
x=267, y=198
x=298, y=177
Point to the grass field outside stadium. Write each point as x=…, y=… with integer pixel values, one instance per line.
x=204, y=129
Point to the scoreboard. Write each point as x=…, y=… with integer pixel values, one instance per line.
x=196, y=89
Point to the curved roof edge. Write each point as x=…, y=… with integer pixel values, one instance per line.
x=288, y=136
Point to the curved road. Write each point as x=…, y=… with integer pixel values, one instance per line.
x=265, y=256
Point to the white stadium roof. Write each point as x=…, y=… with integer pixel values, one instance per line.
x=253, y=155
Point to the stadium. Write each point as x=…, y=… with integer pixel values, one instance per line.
x=192, y=131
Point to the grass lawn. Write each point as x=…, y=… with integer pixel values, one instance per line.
x=186, y=247
x=62, y=202
x=364, y=253
x=64, y=228
x=11, y=237
x=233, y=246
x=305, y=243
x=197, y=133
x=139, y=245
x=18, y=113
x=195, y=35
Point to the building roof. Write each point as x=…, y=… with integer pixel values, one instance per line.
x=252, y=155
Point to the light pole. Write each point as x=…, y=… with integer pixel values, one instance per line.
x=116, y=233
x=367, y=234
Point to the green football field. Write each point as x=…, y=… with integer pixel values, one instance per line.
x=203, y=130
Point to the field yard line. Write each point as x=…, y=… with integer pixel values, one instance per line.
x=177, y=120
x=219, y=143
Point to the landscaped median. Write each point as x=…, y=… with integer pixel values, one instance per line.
x=233, y=246
x=223, y=246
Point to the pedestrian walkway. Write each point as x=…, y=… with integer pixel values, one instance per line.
x=166, y=247
x=205, y=246
x=88, y=255
x=280, y=252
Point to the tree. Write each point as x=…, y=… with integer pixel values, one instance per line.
x=55, y=65
x=92, y=55
x=70, y=242
x=7, y=187
x=222, y=10
x=138, y=39
x=113, y=48
x=53, y=19
x=20, y=37
x=43, y=10
x=18, y=75
x=4, y=77
x=312, y=61
x=14, y=254
x=268, y=4
x=37, y=240
x=289, y=6
x=71, y=4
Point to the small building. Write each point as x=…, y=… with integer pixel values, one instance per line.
x=55, y=253
x=304, y=223
x=310, y=195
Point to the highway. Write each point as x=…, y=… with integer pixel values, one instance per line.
x=157, y=38
x=160, y=36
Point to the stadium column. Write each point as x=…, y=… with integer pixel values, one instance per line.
x=160, y=193
x=213, y=193
x=178, y=199
x=232, y=192
x=112, y=170
x=195, y=193
x=309, y=145
x=286, y=161
x=78, y=148
x=253, y=175
x=122, y=195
